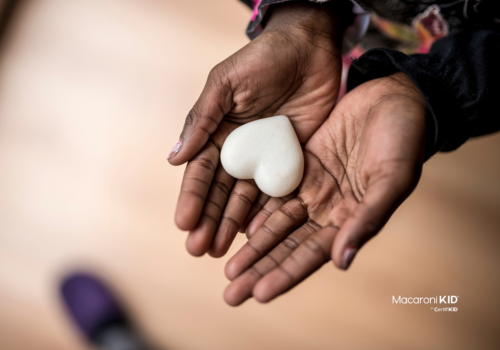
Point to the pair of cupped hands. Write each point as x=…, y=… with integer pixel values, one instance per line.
x=363, y=156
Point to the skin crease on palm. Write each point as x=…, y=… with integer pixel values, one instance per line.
x=293, y=68
x=359, y=166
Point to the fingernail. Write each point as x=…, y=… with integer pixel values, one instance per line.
x=175, y=149
x=349, y=255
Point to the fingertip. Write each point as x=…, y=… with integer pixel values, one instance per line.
x=249, y=232
x=340, y=245
x=253, y=226
x=196, y=245
x=222, y=241
x=238, y=291
x=188, y=211
x=347, y=243
x=231, y=270
x=173, y=157
x=270, y=287
x=348, y=256
x=344, y=258
x=217, y=252
x=229, y=297
x=184, y=150
x=261, y=293
x=175, y=161
x=235, y=295
x=187, y=147
x=185, y=220
x=184, y=155
x=380, y=201
x=196, y=252
x=337, y=263
x=241, y=261
x=336, y=252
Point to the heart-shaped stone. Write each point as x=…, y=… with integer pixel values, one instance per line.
x=268, y=151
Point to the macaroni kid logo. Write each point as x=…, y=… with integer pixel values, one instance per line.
x=444, y=302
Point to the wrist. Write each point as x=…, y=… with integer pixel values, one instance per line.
x=311, y=20
x=404, y=84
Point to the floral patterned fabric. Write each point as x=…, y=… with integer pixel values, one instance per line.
x=449, y=48
x=407, y=25
x=410, y=26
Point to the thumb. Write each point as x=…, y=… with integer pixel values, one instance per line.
x=213, y=104
x=380, y=201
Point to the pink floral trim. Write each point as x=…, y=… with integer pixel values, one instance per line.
x=255, y=13
x=346, y=64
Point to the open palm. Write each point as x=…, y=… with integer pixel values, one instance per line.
x=287, y=70
x=359, y=167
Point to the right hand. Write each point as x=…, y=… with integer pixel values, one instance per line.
x=362, y=163
x=293, y=68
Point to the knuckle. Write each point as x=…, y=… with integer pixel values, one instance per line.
x=222, y=187
x=285, y=211
x=290, y=243
x=198, y=181
x=256, y=272
x=210, y=218
x=193, y=193
x=216, y=71
x=218, y=75
x=287, y=272
x=311, y=227
x=257, y=251
x=190, y=118
x=266, y=212
x=272, y=260
x=242, y=197
x=315, y=247
x=205, y=163
x=269, y=231
x=232, y=221
x=215, y=205
x=299, y=203
x=294, y=210
x=194, y=114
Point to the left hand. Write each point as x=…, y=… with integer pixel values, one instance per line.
x=293, y=68
x=362, y=163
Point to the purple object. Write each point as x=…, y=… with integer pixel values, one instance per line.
x=91, y=304
x=99, y=315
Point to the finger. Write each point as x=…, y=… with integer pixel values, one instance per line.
x=279, y=225
x=269, y=208
x=262, y=199
x=195, y=185
x=241, y=288
x=380, y=201
x=238, y=205
x=306, y=259
x=198, y=177
x=213, y=104
x=199, y=240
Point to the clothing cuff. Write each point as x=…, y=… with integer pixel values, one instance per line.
x=378, y=63
x=352, y=35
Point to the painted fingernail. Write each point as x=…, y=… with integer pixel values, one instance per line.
x=175, y=149
x=349, y=255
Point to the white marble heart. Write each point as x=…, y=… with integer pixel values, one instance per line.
x=268, y=151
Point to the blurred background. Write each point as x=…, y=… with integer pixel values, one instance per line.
x=93, y=94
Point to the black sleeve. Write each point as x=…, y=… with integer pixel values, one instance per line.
x=248, y=3
x=459, y=78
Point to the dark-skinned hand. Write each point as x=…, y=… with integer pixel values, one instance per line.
x=362, y=163
x=293, y=68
